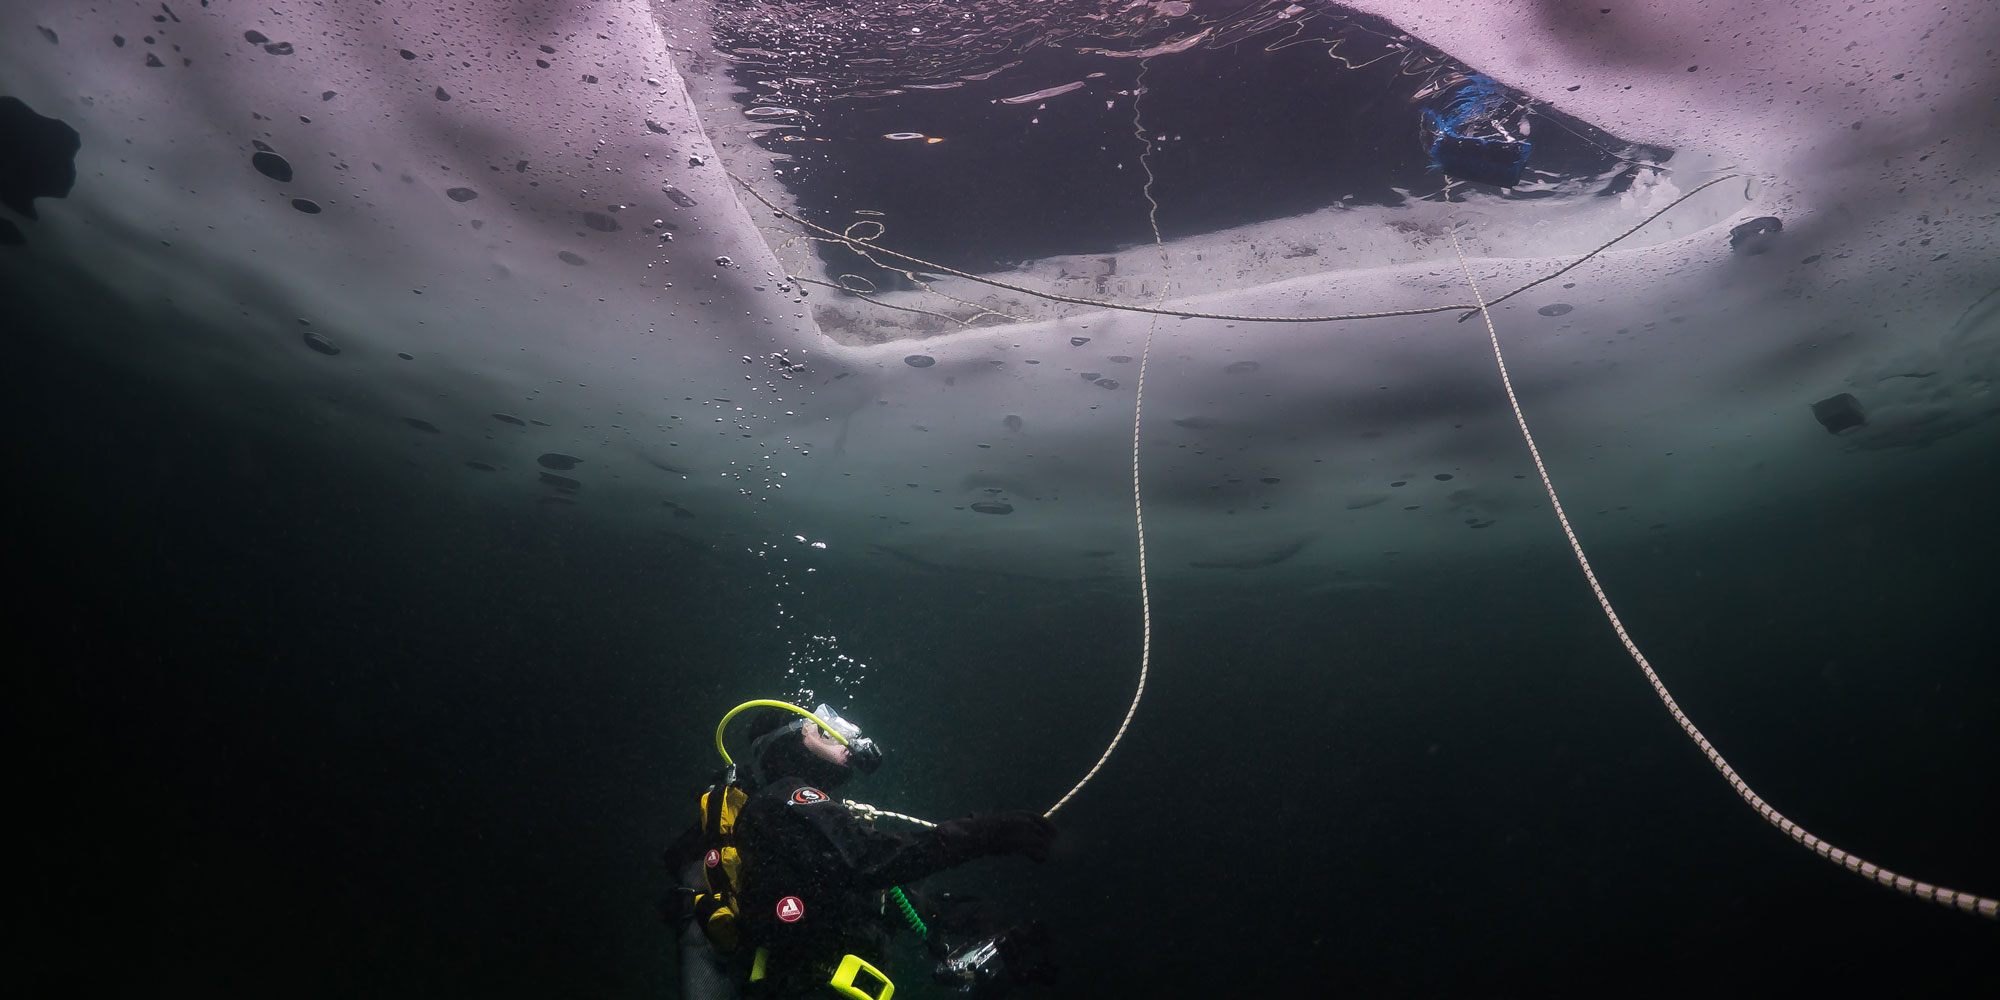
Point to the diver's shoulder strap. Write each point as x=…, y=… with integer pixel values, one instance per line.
x=717, y=909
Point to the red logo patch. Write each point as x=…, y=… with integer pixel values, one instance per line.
x=808, y=795
x=790, y=910
x=712, y=858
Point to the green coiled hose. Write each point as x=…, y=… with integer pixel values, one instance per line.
x=909, y=912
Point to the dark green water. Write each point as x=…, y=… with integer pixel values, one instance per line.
x=288, y=723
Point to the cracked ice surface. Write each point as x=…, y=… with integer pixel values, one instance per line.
x=494, y=221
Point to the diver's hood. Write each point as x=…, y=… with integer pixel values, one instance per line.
x=862, y=753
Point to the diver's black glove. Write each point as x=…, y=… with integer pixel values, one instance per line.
x=1016, y=831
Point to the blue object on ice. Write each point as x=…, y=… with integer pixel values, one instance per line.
x=1468, y=139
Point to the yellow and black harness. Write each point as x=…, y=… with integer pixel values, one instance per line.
x=719, y=910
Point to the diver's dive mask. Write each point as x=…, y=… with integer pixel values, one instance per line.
x=862, y=753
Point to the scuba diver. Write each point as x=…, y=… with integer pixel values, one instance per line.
x=784, y=891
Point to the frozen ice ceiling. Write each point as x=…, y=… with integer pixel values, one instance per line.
x=427, y=236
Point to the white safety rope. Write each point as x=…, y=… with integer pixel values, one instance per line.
x=1963, y=901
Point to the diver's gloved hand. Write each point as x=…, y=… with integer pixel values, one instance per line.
x=1016, y=831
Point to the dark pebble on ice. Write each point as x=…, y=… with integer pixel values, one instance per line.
x=993, y=507
x=272, y=165
x=1839, y=413
x=37, y=156
x=318, y=342
x=1756, y=236
x=558, y=462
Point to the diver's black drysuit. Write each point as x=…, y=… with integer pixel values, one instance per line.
x=805, y=852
